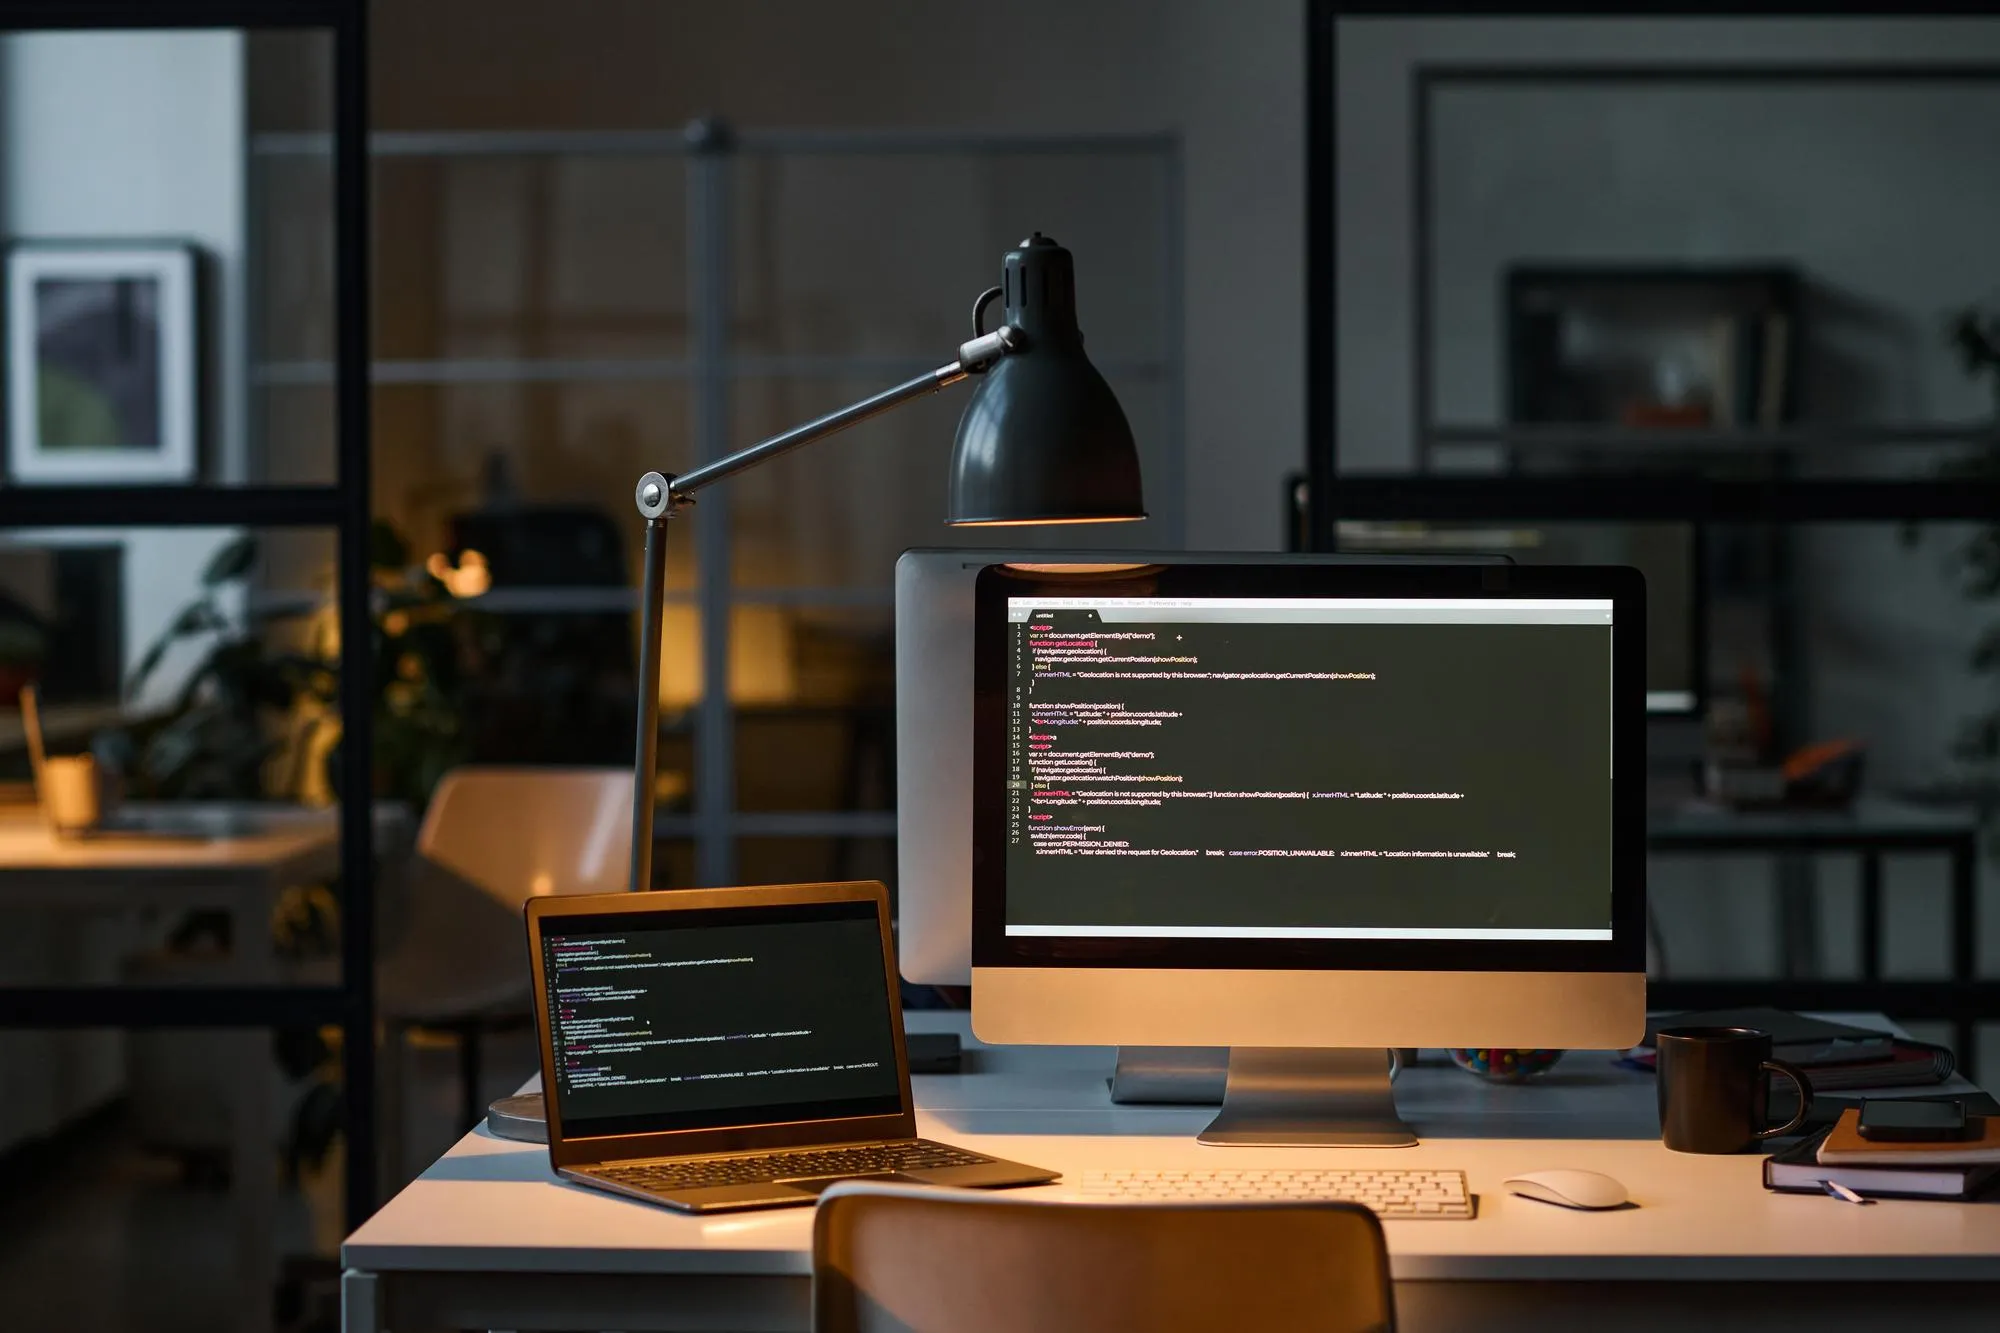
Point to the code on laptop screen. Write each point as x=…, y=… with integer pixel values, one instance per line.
x=706, y=1019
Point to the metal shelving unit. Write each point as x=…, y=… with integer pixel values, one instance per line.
x=1780, y=492
x=342, y=506
x=707, y=153
x=1426, y=495
x=628, y=370
x=1801, y=439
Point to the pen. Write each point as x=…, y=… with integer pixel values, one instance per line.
x=1840, y=1191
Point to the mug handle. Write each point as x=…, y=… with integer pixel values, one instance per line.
x=1802, y=1083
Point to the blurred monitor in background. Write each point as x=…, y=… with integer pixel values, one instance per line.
x=62, y=626
x=1668, y=554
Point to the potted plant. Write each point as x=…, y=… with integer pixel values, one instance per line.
x=257, y=718
x=266, y=694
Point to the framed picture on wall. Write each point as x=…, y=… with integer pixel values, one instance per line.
x=102, y=363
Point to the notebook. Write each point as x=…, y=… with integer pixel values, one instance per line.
x=1844, y=1146
x=1797, y=1170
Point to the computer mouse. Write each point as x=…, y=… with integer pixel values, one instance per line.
x=1571, y=1189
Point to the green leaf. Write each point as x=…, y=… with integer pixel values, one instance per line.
x=22, y=641
x=1972, y=334
x=404, y=599
x=274, y=614
x=1986, y=652
x=175, y=746
x=1979, y=742
x=301, y=667
x=147, y=666
x=197, y=618
x=386, y=547
x=270, y=686
x=231, y=562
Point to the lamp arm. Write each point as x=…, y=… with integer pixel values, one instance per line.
x=659, y=496
x=973, y=358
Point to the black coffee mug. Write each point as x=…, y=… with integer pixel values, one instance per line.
x=1714, y=1096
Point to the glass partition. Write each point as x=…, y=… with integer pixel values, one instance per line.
x=1734, y=248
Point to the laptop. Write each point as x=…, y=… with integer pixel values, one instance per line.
x=721, y=1049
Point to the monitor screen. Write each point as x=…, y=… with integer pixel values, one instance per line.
x=715, y=1018
x=1217, y=764
x=934, y=708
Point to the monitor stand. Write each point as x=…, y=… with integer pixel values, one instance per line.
x=1309, y=1097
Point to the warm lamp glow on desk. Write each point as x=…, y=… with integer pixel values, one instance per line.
x=1042, y=441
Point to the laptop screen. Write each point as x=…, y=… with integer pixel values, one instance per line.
x=712, y=1018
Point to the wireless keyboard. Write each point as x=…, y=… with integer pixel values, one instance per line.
x=1388, y=1194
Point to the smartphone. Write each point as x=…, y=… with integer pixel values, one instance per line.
x=1911, y=1121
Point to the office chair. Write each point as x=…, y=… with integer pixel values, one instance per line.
x=492, y=838
x=922, y=1260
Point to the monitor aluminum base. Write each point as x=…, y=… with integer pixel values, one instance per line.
x=1275, y=1095
x=1294, y=1097
x=1315, y=1097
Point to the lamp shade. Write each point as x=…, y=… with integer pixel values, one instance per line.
x=1043, y=439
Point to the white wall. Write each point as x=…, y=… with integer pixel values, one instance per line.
x=125, y=135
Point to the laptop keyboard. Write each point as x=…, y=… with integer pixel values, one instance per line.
x=759, y=1168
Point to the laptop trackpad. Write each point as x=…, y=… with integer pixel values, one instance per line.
x=815, y=1184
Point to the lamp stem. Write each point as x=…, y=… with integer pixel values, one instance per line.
x=645, y=768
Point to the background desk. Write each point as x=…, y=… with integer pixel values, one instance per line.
x=257, y=852
x=488, y=1238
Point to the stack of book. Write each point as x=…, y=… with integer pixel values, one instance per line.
x=1948, y=1169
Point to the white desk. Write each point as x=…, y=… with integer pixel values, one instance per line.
x=488, y=1238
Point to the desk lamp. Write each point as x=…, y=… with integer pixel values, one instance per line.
x=1042, y=441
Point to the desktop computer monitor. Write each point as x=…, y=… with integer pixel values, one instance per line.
x=934, y=727
x=1308, y=813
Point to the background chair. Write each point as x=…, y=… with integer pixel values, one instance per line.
x=918, y=1260
x=492, y=838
